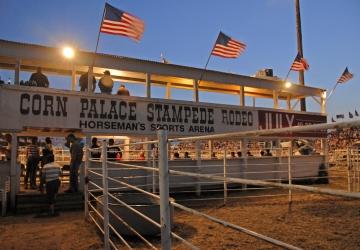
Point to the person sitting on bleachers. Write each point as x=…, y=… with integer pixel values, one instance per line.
x=40, y=79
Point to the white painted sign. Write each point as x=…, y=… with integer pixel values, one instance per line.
x=30, y=107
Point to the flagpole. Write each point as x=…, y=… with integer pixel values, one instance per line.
x=94, y=55
x=287, y=75
x=332, y=91
x=208, y=60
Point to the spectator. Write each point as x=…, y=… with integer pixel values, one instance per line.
x=83, y=82
x=113, y=151
x=262, y=153
x=232, y=154
x=33, y=158
x=48, y=149
x=96, y=154
x=249, y=153
x=268, y=153
x=76, y=153
x=213, y=156
x=51, y=178
x=239, y=154
x=142, y=156
x=123, y=91
x=186, y=155
x=106, y=83
x=176, y=155
x=40, y=79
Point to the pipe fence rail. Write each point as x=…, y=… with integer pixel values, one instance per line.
x=108, y=180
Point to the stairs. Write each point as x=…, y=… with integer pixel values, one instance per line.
x=36, y=203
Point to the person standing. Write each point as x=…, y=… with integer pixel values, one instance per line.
x=76, y=154
x=83, y=82
x=51, y=178
x=40, y=79
x=106, y=83
x=33, y=158
x=96, y=154
x=113, y=151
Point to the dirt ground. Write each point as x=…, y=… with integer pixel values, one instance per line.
x=314, y=222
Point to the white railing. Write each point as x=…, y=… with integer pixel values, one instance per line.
x=157, y=175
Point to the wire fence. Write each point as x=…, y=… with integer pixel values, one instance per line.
x=110, y=184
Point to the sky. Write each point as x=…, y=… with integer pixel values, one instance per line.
x=185, y=32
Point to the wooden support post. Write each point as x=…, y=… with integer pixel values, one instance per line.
x=73, y=78
x=148, y=85
x=242, y=96
x=288, y=103
x=276, y=99
x=168, y=90
x=17, y=71
x=196, y=90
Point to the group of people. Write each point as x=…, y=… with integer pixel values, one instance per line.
x=114, y=152
x=105, y=84
x=50, y=172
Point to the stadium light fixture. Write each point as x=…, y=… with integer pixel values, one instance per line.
x=323, y=94
x=288, y=84
x=68, y=52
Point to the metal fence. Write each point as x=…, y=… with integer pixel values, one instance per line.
x=157, y=178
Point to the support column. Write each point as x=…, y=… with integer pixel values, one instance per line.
x=14, y=171
x=254, y=102
x=276, y=99
x=196, y=90
x=168, y=90
x=288, y=103
x=323, y=104
x=245, y=157
x=211, y=149
x=198, y=164
x=83, y=168
x=90, y=80
x=148, y=85
x=164, y=191
x=126, y=154
x=242, y=96
x=147, y=149
x=17, y=71
x=73, y=78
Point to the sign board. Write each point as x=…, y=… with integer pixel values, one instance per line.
x=30, y=107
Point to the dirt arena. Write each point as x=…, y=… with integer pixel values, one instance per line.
x=314, y=222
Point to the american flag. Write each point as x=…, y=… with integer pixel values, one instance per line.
x=346, y=76
x=227, y=47
x=118, y=22
x=299, y=63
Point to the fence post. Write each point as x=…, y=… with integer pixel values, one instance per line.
x=86, y=188
x=164, y=190
x=289, y=174
x=348, y=168
x=153, y=172
x=225, y=176
x=105, y=195
x=198, y=166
